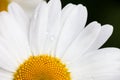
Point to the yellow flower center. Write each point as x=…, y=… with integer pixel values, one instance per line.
x=42, y=67
x=4, y=5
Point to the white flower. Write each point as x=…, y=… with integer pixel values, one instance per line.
x=55, y=45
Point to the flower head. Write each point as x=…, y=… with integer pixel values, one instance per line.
x=55, y=45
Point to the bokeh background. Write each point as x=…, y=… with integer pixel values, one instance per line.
x=105, y=12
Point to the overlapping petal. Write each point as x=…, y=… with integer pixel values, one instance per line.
x=60, y=33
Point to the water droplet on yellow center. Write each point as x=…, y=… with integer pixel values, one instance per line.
x=4, y=5
x=42, y=67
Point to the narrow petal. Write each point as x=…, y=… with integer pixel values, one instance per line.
x=12, y=33
x=71, y=28
x=53, y=25
x=38, y=29
x=82, y=43
x=22, y=19
x=5, y=75
x=45, y=27
x=54, y=7
x=66, y=11
x=101, y=64
x=28, y=5
x=8, y=61
x=105, y=33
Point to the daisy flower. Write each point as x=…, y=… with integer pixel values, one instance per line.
x=55, y=45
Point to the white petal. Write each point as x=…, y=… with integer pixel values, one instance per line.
x=66, y=11
x=105, y=33
x=102, y=76
x=54, y=7
x=5, y=75
x=101, y=64
x=28, y=5
x=45, y=27
x=38, y=29
x=19, y=15
x=8, y=61
x=14, y=35
x=53, y=26
x=71, y=28
x=82, y=43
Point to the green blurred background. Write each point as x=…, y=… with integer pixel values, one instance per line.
x=105, y=12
